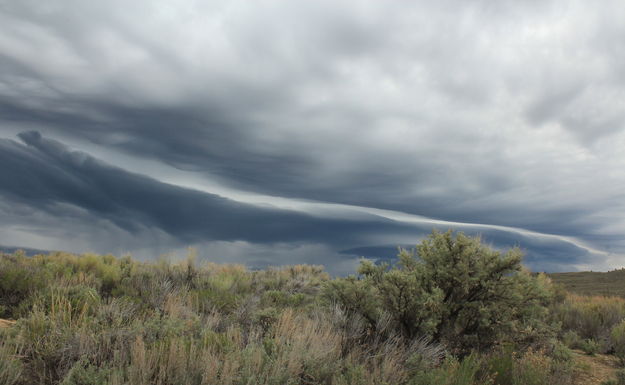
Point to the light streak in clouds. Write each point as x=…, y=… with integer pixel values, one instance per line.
x=188, y=179
x=319, y=207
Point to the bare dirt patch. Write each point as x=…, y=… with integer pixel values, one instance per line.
x=593, y=370
x=5, y=323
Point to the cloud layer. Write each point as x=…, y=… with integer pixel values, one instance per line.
x=507, y=114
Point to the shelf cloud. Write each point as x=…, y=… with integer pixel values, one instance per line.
x=282, y=132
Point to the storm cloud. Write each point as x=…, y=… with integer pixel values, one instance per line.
x=283, y=126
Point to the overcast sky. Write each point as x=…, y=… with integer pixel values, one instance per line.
x=279, y=132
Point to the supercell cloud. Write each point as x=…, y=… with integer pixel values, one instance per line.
x=281, y=132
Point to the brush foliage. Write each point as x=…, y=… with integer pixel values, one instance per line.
x=454, y=289
x=441, y=316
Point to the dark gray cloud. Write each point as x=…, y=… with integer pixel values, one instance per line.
x=44, y=173
x=51, y=183
x=507, y=114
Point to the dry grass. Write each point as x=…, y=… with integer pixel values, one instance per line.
x=5, y=323
x=102, y=320
x=591, y=283
x=589, y=319
x=594, y=370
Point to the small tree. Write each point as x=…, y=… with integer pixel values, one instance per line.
x=453, y=289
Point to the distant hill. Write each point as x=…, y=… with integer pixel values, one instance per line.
x=28, y=251
x=611, y=283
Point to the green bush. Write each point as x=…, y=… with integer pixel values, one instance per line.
x=454, y=372
x=83, y=373
x=571, y=339
x=10, y=367
x=617, y=339
x=454, y=289
x=590, y=346
x=18, y=280
x=561, y=353
x=501, y=364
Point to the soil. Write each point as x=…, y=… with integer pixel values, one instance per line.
x=5, y=323
x=593, y=370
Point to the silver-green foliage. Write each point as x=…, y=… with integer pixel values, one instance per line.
x=617, y=337
x=10, y=366
x=454, y=289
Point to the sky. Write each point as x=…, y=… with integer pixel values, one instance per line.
x=283, y=132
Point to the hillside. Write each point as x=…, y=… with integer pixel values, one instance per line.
x=611, y=283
